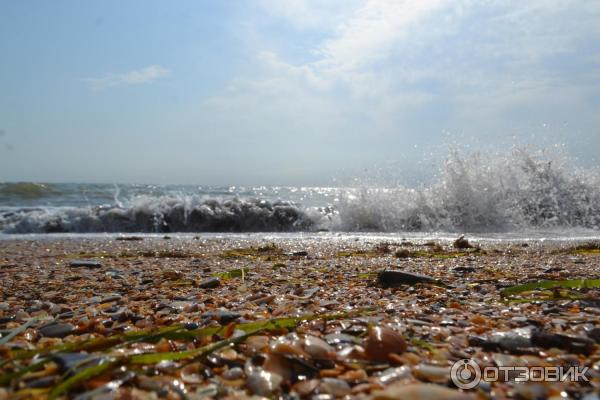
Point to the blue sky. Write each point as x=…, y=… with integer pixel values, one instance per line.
x=287, y=92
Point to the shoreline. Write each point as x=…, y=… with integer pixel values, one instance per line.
x=147, y=283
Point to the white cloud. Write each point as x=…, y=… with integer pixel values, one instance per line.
x=394, y=72
x=370, y=34
x=136, y=77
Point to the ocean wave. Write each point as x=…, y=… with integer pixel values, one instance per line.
x=162, y=214
x=521, y=191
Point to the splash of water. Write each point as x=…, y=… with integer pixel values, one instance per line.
x=477, y=193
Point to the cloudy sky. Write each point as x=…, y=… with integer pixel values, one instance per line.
x=287, y=91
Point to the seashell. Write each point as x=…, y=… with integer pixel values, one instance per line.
x=334, y=387
x=190, y=374
x=287, y=345
x=233, y=374
x=317, y=348
x=431, y=373
x=263, y=383
x=256, y=344
x=306, y=387
x=279, y=365
x=391, y=375
x=383, y=341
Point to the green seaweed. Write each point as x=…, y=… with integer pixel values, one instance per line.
x=153, y=358
x=566, y=284
x=174, y=333
x=80, y=377
x=231, y=274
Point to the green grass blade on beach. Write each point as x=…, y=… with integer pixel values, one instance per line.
x=549, y=285
x=153, y=358
x=80, y=377
x=231, y=274
x=17, y=331
x=101, y=343
x=251, y=328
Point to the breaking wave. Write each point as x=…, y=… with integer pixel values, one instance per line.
x=472, y=192
x=161, y=214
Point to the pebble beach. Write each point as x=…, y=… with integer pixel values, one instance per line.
x=317, y=317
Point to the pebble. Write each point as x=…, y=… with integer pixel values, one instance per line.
x=4, y=320
x=383, y=341
x=263, y=383
x=388, y=279
x=57, y=330
x=431, y=373
x=392, y=375
x=85, y=264
x=335, y=387
x=224, y=317
x=210, y=283
x=233, y=373
x=111, y=298
x=317, y=348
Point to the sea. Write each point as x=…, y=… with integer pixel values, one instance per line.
x=517, y=195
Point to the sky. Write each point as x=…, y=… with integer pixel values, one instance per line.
x=287, y=92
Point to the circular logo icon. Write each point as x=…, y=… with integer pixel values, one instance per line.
x=465, y=374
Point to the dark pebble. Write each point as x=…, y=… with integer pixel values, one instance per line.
x=68, y=314
x=573, y=344
x=130, y=238
x=85, y=264
x=110, y=298
x=224, y=317
x=57, y=330
x=190, y=326
x=553, y=269
x=396, y=278
x=209, y=283
x=4, y=320
x=463, y=270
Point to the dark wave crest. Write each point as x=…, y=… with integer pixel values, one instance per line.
x=162, y=215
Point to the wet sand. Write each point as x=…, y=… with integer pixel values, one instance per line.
x=297, y=318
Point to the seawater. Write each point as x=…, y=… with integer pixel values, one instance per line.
x=521, y=193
